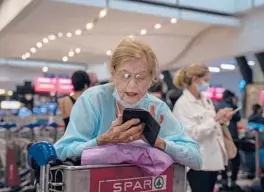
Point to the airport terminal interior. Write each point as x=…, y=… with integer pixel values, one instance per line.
x=70, y=70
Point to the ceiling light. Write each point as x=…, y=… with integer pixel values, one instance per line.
x=131, y=36
x=45, y=69
x=27, y=55
x=2, y=91
x=69, y=34
x=173, y=20
x=39, y=44
x=33, y=50
x=52, y=37
x=102, y=13
x=109, y=52
x=157, y=26
x=23, y=57
x=228, y=66
x=143, y=32
x=10, y=93
x=214, y=69
x=71, y=54
x=60, y=34
x=45, y=40
x=251, y=63
x=89, y=26
x=77, y=50
x=78, y=32
x=64, y=59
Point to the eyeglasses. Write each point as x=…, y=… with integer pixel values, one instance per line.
x=127, y=77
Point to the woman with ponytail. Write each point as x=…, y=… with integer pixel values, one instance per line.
x=203, y=124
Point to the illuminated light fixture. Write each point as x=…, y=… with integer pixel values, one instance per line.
x=2, y=91
x=143, y=32
x=33, y=50
x=10, y=93
x=173, y=20
x=39, y=44
x=228, y=66
x=52, y=37
x=89, y=26
x=71, y=54
x=45, y=40
x=131, y=36
x=27, y=55
x=157, y=26
x=23, y=57
x=64, y=59
x=161, y=76
x=102, y=13
x=214, y=69
x=251, y=63
x=45, y=69
x=78, y=32
x=77, y=50
x=60, y=34
x=69, y=34
x=109, y=52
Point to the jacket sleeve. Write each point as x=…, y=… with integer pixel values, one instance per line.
x=193, y=129
x=179, y=146
x=80, y=132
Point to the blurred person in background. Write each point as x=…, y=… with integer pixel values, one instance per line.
x=257, y=114
x=230, y=100
x=96, y=118
x=80, y=82
x=93, y=78
x=172, y=96
x=157, y=90
x=203, y=124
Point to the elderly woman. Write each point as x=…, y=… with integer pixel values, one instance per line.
x=96, y=118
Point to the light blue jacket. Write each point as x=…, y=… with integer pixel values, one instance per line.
x=94, y=112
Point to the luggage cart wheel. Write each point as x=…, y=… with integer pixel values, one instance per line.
x=42, y=153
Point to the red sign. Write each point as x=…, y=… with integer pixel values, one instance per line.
x=129, y=179
x=261, y=96
x=44, y=84
x=214, y=93
x=64, y=86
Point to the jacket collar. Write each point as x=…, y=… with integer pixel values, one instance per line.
x=187, y=94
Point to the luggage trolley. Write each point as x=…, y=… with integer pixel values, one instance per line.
x=101, y=178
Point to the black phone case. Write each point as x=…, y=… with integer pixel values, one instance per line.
x=152, y=127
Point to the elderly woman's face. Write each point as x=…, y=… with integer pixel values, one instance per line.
x=132, y=80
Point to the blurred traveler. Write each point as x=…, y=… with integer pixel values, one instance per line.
x=202, y=123
x=80, y=82
x=256, y=116
x=93, y=77
x=230, y=100
x=172, y=96
x=96, y=118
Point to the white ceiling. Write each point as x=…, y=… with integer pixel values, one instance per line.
x=53, y=17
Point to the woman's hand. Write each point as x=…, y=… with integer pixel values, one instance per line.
x=224, y=115
x=120, y=132
x=160, y=143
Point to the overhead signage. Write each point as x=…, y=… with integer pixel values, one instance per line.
x=10, y=104
x=214, y=93
x=56, y=85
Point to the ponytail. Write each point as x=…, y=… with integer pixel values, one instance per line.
x=179, y=78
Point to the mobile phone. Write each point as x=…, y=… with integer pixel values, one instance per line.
x=152, y=127
x=237, y=109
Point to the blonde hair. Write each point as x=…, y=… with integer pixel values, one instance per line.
x=183, y=77
x=130, y=49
